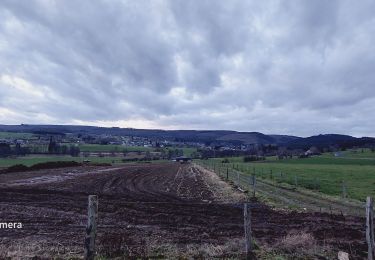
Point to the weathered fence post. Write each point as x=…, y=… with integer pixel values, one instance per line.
x=238, y=179
x=295, y=181
x=227, y=173
x=247, y=227
x=254, y=183
x=316, y=184
x=92, y=216
x=344, y=191
x=370, y=228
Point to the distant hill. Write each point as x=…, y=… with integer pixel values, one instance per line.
x=284, y=139
x=202, y=136
x=327, y=140
x=249, y=138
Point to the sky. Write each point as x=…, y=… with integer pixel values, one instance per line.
x=277, y=67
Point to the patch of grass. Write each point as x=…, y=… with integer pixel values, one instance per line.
x=322, y=173
x=364, y=153
x=12, y=135
x=188, y=151
x=319, y=160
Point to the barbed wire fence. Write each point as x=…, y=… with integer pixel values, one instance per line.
x=292, y=192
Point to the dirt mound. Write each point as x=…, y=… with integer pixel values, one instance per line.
x=40, y=166
x=15, y=168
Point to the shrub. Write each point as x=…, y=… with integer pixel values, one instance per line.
x=252, y=158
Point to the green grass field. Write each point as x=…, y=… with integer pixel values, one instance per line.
x=324, y=173
x=359, y=153
x=7, y=135
x=189, y=151
x=31, y=160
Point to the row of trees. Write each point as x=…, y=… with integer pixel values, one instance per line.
x=6, y=150
x=55, y=148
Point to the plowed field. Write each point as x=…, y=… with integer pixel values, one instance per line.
x=159, y=210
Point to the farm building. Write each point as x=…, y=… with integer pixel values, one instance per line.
x=312, y=151
x=182, y=159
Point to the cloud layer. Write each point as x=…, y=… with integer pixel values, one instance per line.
x=301, y=67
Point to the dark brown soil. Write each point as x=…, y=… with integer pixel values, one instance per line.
x=40, y=166
x=143, y=206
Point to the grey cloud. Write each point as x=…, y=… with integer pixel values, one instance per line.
x=279, y=67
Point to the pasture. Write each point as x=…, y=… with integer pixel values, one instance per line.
x=12, y=135
x=326, y=174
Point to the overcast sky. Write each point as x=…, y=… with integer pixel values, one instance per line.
x=284, y=67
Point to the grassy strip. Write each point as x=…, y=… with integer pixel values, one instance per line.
x=322, y=174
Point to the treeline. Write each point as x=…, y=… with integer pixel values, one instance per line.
x=7, y=150
x=253, y=158
x=65, y=149
x=174, y=153
x=55, y=148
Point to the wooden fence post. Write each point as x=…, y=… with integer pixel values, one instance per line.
x=238, y=179
x=247, y=227
x=92, y=216
x=254, y=183
x=370, y=228
x=295, y=181
x=227, y=173
x=344, y=191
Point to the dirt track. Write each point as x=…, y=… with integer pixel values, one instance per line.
x=149, y=209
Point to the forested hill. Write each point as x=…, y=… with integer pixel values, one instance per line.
x=204, y=136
